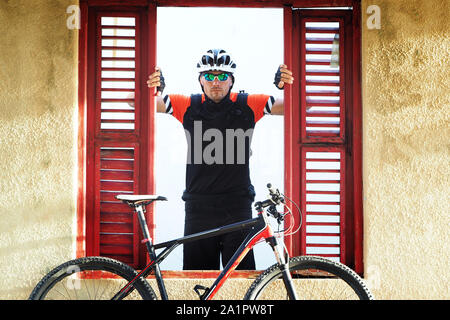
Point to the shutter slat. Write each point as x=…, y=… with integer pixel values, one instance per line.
x=117, y=38
x=117, y=48
x=116, y=208
x=116, y=153
x=117, y=69
x=117, y=164
x=116, y=228
x=116, y=175
x=109, y=27
x=109, y=196
x=116, y=186
x=126, y=217
x=108, y=239
x=116, y=249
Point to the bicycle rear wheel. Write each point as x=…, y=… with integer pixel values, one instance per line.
x=314, y=278
x=90, y=278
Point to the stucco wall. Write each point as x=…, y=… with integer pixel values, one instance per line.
x=38, y=88
x=405, y=83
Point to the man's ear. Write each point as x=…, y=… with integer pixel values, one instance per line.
x=200, y=82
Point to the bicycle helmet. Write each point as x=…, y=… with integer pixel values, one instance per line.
x=216, y=60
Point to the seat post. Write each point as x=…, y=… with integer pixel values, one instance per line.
x=140, y=210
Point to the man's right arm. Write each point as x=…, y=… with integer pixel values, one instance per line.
x=160, y=105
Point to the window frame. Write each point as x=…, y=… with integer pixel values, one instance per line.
x=292, y=172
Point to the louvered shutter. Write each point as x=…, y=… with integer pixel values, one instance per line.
x=325, y=152
x=117, y=136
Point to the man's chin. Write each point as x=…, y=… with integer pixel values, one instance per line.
x=216, y=96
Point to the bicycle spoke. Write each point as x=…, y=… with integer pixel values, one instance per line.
x=313, y=278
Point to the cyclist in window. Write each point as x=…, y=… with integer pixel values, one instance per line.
x=218, y=126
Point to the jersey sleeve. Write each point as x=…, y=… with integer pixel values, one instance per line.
x=261, y=104
x=176, y=105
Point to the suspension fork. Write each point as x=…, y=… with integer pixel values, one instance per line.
x=278, y=249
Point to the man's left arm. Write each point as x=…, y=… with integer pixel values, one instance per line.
x=283, y=76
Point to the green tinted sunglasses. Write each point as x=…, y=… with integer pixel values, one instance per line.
x=221, y=77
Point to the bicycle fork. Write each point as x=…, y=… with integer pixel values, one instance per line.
x=278, y=249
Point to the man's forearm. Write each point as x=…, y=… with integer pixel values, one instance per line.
x=278, y=107
x=160, y=105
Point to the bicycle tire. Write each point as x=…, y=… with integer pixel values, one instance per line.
x=82, y=279
x=310, y=271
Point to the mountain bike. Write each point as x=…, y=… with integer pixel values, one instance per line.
x=302, y=277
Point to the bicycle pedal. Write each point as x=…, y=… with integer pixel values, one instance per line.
x=197, y=289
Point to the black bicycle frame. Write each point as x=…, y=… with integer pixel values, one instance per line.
x=257, y=225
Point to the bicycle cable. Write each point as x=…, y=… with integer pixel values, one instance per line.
x=300, y=215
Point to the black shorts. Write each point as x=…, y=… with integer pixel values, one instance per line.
x=205, y=254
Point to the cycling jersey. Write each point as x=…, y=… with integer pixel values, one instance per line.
x=218, y=136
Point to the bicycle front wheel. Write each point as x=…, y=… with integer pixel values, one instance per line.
x=90, y=278
x=314, y=278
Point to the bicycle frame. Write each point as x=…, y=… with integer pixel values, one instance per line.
x=261, y=230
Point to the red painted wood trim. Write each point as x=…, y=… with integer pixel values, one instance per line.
x=148, y=101
x=81, y=142
x=357, y=141
x=254, y=3
x=90, y=135
x=293, y=141
x=288, y=60
x=221, y=3
x=110, y=3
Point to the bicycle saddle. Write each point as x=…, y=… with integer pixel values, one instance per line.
x=139, y=198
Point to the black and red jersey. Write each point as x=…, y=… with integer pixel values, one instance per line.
x=219, y=137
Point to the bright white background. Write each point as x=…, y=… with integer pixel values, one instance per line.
x=254, y=38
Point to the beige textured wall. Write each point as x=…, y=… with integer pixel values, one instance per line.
x=405, y=84
x=38, y=88
x=405, y=78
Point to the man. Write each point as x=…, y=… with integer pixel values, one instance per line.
x=218, y=126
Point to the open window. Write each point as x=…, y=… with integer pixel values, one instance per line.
x=322, y=126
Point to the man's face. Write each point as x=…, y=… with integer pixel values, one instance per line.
x=216, y=90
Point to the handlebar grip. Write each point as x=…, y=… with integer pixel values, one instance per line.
x=269, y=186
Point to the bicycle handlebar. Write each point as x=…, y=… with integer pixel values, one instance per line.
x=275, y=199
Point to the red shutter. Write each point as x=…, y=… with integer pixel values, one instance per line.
x=325, y=127
x=118, y=120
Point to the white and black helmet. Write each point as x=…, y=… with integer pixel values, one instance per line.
x=216, y=60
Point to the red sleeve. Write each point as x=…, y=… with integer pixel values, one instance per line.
x=176, y=105
x=258, y=103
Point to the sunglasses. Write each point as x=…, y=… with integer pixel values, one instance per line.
x=221, y=77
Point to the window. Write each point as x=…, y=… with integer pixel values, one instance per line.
x=322, y=126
